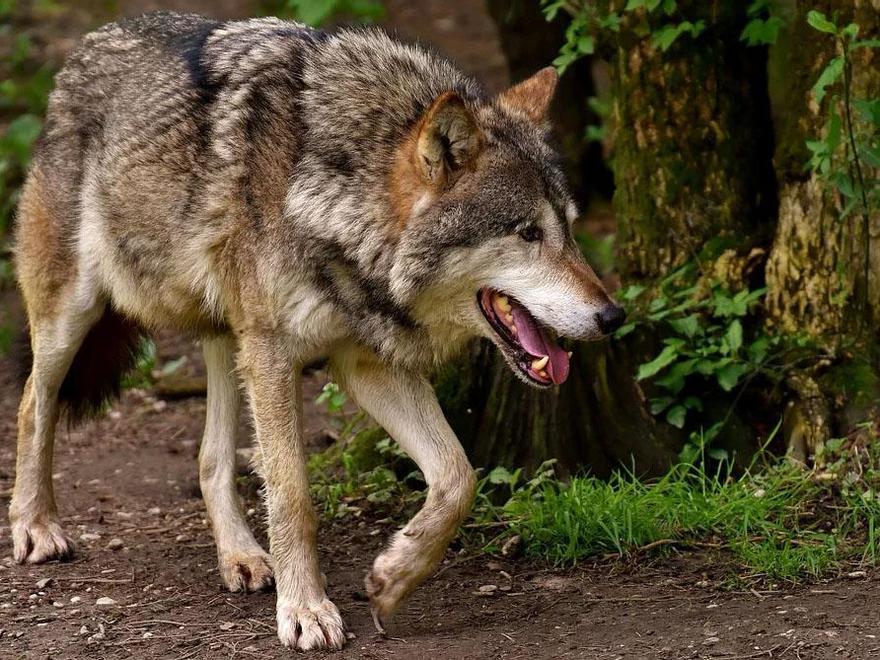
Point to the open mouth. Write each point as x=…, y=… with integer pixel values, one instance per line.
x=526, y=343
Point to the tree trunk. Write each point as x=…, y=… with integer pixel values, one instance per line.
x=692, y=143
x=816, y=270
x=690, y=151
x=819, y=282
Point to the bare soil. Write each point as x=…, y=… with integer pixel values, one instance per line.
x=127, y=487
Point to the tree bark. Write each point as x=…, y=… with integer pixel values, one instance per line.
x=816, y=270
x=690, y=150
x=818, y=283
x=692, y=142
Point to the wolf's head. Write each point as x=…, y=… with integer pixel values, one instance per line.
x=485, y=231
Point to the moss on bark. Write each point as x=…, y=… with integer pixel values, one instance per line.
x=691, y=142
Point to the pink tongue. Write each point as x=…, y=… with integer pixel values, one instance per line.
x=535, y=341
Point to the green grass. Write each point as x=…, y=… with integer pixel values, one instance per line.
x=784, y=522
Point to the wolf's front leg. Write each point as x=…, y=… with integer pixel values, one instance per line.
x=306, y=618
x=404, y=404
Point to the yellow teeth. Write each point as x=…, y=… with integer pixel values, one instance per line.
x=538, y=365
x=503, y=304
x=543, y=374
x=513, y=330
x=508, y=318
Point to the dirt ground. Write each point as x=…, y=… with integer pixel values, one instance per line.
x=127, y=486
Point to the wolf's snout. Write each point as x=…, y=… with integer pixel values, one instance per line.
x=610, y=318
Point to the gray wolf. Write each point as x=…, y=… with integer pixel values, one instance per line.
x=288, y=194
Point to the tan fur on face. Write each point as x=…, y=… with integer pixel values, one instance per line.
x=532, y=96
x=586, y=278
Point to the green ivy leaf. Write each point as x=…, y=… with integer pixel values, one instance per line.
x=818, y=21
x=761, y=32
x=500, y=475
x=687, y=326
x=666, y=357
x=660, y=404
x=674, y=380
x=734, y=336
x=586, y=45
x=624, y=330
x=631, y=292
x=865, y=43
x=729, y=376
x=757, y=350
x=676, y=416
x=551, y=8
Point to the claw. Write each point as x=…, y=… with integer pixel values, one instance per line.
x=377, y=621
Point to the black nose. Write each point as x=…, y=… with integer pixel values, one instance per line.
x=610, y=318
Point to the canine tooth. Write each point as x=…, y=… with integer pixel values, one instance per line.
x=508, y=318
x=538, y=365
x=570, y=353
x=503, y=304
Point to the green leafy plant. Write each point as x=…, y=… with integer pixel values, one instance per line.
x=708, y=345
x=589, y=22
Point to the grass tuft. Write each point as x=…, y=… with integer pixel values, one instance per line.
x=784, y=521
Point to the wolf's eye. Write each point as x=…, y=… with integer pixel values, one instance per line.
x=531, y=234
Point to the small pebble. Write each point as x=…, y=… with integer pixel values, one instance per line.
x=105, y=600
x=45, y=582
x=115, y=544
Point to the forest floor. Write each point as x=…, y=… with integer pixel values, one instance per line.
x=127, y=486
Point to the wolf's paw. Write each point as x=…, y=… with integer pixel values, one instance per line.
x=310, y=627
x=388, y=583
x=35, y=542
x=247, y=571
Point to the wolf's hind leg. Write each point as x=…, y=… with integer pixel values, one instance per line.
x=244, y=565
x=405, y=405
x=33, y=514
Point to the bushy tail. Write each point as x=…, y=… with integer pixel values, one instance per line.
x=109, y=351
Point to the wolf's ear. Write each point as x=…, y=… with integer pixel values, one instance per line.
x=532, y=96
x=449, y=139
